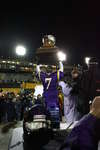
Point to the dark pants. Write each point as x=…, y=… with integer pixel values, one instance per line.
x=54, y=117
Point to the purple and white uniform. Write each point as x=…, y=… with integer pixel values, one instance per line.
x=50, y=84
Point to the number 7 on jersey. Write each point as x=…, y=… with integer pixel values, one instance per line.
x=48, y=81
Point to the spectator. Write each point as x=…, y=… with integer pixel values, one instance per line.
x=76, y=92
x=11, y=113
x=3, y=109
x=18, y=108
x=69, y=113
x=39, y=99
x=90, y=84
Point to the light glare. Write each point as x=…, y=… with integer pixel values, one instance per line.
x=20, y=50
x=87, y=60
x=61, y=56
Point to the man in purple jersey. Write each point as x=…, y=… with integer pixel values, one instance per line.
x=50, y=81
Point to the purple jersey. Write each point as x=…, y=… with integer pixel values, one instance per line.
x=50, y=84
x=83, y=135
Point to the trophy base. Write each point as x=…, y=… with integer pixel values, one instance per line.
x=47, y=59
x=47, y=56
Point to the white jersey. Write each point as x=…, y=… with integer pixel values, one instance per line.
x=70, y=112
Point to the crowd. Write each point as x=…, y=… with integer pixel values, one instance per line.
x=12, y=106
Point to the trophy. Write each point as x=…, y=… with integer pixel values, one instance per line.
x=47, y=53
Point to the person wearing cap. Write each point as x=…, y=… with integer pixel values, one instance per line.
x=85, y=135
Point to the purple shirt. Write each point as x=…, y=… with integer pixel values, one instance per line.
x=82, y=136
x=50, y=84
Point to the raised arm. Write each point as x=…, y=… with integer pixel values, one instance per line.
x=61, y=68
x=38, y=70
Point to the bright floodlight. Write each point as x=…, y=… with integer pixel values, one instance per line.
x=61, y=56
x=87, y=60
x=20, y=50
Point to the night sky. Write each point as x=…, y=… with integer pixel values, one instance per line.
x=77, y=33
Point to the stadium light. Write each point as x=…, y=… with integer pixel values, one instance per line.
x=61, y=56
x=87, y=60
x=20, y=50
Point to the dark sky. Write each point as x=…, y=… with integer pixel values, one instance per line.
x=77, y=32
